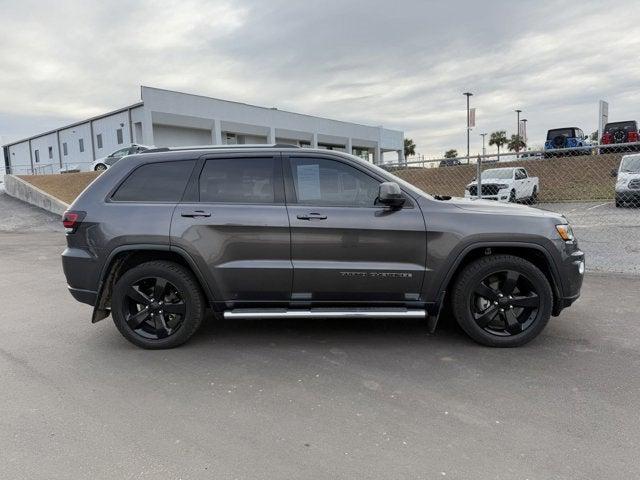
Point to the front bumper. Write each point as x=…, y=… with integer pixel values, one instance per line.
x=571, y=270
x=628, y=196
x=501, y=196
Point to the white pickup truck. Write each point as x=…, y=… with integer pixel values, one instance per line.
x=511, y=184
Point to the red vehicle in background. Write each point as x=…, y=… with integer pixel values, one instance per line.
x=617, y=136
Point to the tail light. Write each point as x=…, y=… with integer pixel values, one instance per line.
x=607, y=138
x=72, y=220
x=632, y=137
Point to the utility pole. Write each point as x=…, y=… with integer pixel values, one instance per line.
x=484, y=150
x=518, y=132
x=468, y=94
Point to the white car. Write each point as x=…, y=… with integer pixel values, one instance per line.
x=104, y=163
x=628, y=183
x=511, y=184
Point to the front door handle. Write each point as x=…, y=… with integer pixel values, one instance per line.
x=196, y=214
x=312, y=216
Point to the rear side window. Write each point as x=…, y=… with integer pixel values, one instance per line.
x=238, y=180
x=155, y=182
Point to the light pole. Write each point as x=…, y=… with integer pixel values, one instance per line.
x=468, y=94
x=518, y=132
x=524, y=130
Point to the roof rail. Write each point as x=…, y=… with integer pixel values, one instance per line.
x=220, y=147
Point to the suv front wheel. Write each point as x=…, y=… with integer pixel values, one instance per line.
x=157, y=305
x=502, y=301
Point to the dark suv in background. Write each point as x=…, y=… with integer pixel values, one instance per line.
x=278, y=231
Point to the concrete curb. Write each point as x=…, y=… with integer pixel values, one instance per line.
x=22, y=190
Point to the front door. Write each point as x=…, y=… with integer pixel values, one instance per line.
x=236, y=227
x=344, y=247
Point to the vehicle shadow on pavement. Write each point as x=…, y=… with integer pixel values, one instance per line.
x=391, y=332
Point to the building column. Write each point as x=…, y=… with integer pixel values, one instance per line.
x=314, y=141
x=349, y=146
x=401, y=158
x=147, y=128
x=59, y=149
x=31, y=156
x=271, y=137
x=377, y=155
x=216, y=133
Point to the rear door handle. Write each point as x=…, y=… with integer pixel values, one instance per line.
x=312, y=216
x=195, y=214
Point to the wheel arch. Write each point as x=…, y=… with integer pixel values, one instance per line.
x=126, y=257
x=536, y=254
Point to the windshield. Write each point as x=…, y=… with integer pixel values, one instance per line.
x=564, y=132
x=630, y=164
x=502, y=173
x=626, y=126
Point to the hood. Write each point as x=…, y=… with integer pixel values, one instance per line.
x=498, y=208
x=490, y=180
x=625, y=176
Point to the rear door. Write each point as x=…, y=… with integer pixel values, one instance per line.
x=234, y=222
x=344, y=247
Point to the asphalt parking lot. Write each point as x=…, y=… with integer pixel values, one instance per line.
x=315, y=399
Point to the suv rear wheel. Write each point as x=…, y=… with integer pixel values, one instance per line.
x=157, y=305
x=502, y=301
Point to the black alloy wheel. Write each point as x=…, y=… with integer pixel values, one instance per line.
x=502, y=300
x=157, y=304
x=154, y=308
x=504, y=303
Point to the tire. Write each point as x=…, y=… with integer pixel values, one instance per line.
x=619, y=204
x=512, y=196
x=534, y=196
x=530, y=281
x=158, y=329
x=100, y=167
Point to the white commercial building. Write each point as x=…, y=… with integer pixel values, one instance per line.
x=165, y=118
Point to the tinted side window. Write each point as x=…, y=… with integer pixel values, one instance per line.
x=319, y=181
x=238, y=180
x=156, y=182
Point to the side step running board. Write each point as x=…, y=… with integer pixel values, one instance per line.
x=326, y=313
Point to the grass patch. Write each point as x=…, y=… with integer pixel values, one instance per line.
x=65, y=187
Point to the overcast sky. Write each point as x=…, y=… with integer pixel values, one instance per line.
x=401, y=64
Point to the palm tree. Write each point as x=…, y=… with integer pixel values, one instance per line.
x=453, y=153
x=516, y=143
x=409, y=148
x=499, y=139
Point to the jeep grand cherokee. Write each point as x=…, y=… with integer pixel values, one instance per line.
x=278, y=231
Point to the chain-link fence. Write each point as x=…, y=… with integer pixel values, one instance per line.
x=556, y=175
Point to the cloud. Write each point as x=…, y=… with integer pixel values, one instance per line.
x=403, y=65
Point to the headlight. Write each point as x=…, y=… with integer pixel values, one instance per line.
x=565, y=232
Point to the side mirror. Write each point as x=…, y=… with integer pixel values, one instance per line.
x=389, y=194
x=614, y=172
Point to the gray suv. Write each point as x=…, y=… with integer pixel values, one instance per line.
x=278, y=231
